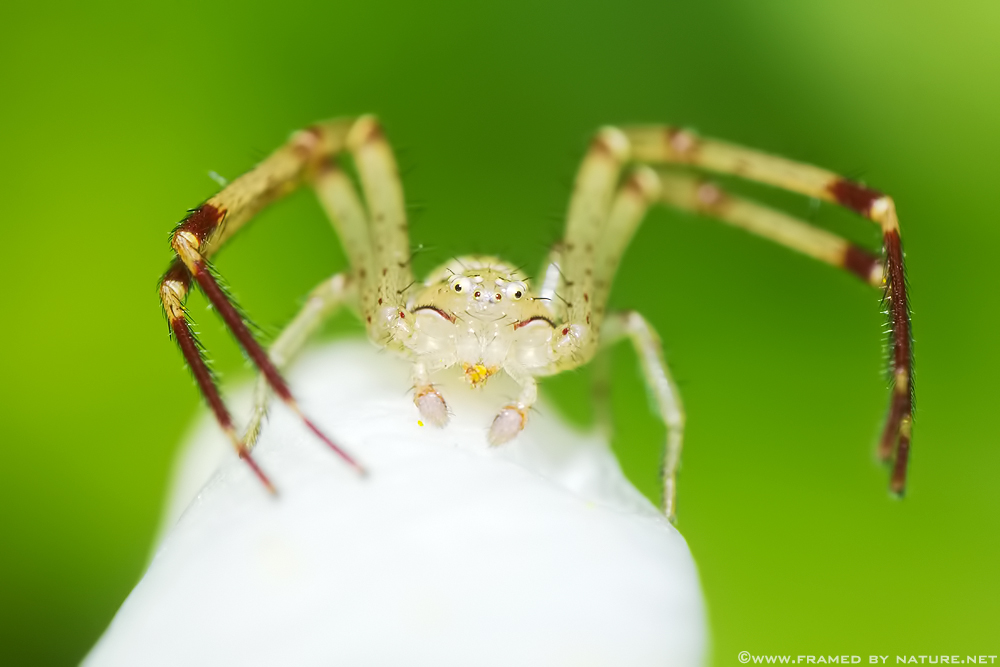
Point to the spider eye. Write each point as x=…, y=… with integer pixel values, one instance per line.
x=515, y=290
x=461, y=284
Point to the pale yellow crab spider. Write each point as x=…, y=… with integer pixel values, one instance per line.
x=480, y=314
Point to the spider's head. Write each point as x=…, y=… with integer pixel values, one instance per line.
x=487, y=293
x=477, y=312
x=479, y=288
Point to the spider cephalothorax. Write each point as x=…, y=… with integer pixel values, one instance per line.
x=481, y=315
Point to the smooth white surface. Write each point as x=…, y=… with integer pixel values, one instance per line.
x=451, y=552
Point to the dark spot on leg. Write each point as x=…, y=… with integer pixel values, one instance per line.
x=598, y=145
x=330, y=164
x=856, y=197
x=202, y=221
x=177, y=273
x=374, y=132
x=860, y=262
x=634, y=185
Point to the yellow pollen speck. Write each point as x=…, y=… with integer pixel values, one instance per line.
x=419, y=423
x=477, y=374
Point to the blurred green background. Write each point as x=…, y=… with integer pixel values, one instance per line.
x=113, y=114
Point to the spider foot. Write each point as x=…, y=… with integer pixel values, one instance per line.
x=507, y=424
x=431, y=406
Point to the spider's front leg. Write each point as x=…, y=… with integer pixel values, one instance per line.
x=570, y=268
x=384, y=288
x=362, y=241
x=586, y=222
x=601, y=223
x=199, y=235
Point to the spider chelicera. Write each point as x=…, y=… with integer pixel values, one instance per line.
x=480, y=313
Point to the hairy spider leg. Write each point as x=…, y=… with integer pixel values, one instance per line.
x=603, y=216
x=201, y=233
x=649, y=350
x=389, y=238
x=600, y=390
x=342, y=204
x=672, y=145
x=705, y=197
x=637, y=193
x=360, y=287
x=325, y=300
x=385, y=290
x=569, y=268
x=596, y=181
x=173, y=287
x=644, y=187
x=552, y=280
x=639, y=190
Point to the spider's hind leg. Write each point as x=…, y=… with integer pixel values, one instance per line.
x=323, y=302
x=649, y=349
x=205, y=230
x=671, y=145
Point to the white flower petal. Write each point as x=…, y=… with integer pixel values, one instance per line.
x=538, y=552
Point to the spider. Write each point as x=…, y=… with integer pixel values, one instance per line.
x=480, y=313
